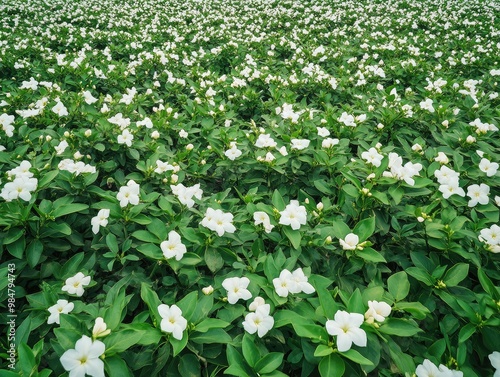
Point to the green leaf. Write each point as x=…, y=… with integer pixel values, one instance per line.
x=397, y=193
x=47, y=178
x=365, y=228
x=211, y=323
x=418, y=310
x=188, y=304
x=323, y=350
x=213, y=259
x=119, y=341
x=67, y=209
x=355, y=356
x=237, y=365
x=211, y=336
x=355, y=304
x=456, y=274
x=488, y=285
x=370, y=255
x=27, y=360
x=331, y=366
x=399, y=327
x=34, y=252
x=293, y=235
x=398, y=285
x=189, y=366
x=145, y=236
x=16, y=248
x=269, y=362
x=420, y=275
x=116, y=367
x=150, y=250
x=350, y=190
x=250, y=351
x=404, y=362
x=178, y=345
x=278, y=201
x=310, y=331
x=152, y=301
x=466, y=332
x=322, y=186
x=112, y=243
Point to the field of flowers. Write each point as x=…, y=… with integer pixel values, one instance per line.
x=250, y=188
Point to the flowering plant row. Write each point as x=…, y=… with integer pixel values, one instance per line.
x=250, y=188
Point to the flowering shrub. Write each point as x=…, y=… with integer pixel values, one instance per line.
x=250, y=188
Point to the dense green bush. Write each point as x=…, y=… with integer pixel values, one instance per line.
x=252, y=188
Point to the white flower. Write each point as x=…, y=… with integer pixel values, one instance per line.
x=346, y=326
x=74, y=285
x=100, y=328
x=258, y=302
x=172, y=320
x=329, y=142
x=302, y=283
x=377, y=311
x=183, y=134
x=350, y=243
x=372, y=157
x=265, y=141
x=427, y=105
x=323, y=131
x=285, y=284
x=490, y=235
x=89, y=98
x=478, y=194
x=259, y=322
x=128, y=194
x=85, y=358
x=207, y=290
x=218, y=221
x=427, y=369
x=261, y=217
x=488, y=167
x=294, y=215
x=300, y=144
x=21, y=187
x=173, y=247
x=62, y=306
x=145, y=122
x=126, y=138
x=6, y=123
x=162, y=167
x=237, y=289
x=60, y=109
x=442, y=158
x=445, y=175
x=232, y=153
x=61, y=147
x=451, y=189
x=347, y=119
x=495, y=359
x=100, y=220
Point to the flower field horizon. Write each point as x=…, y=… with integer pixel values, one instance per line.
x=250, y=188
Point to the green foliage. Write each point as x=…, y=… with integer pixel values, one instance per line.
x=298, y=144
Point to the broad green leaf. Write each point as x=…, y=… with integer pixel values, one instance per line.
x=293, y=235
x=251, y=352
x=188, y=304
x=399, y=327
x=398, y=285
x=370, y=255
x=456, y=274
x=365, y=228
x=269, y=362
x=355, y=356
x=211, y=323
x=67, y=209
x=331, y=366
x=278, y=201
x=189, y=366
x=115, y=366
